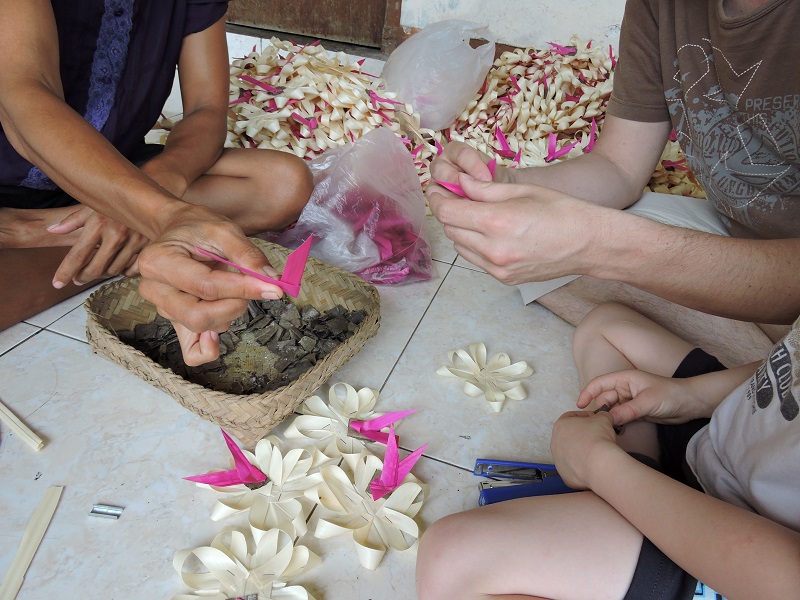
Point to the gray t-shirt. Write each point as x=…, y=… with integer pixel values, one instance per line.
x=749, y=454
x=732, y=92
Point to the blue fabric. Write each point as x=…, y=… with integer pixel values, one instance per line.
x=117, y=60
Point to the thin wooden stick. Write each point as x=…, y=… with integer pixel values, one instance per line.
x=18, y=427
x=31, y=539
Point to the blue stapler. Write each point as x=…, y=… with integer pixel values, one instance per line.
x=508, y=479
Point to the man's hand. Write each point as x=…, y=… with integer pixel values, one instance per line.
x=578, y=439
x=104, y=248
x=520, y=233
x=458, y=158
x=200, y=296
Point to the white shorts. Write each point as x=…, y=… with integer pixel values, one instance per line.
x=681, y=211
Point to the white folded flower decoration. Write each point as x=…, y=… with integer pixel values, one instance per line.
x=328, y=424
x=497, y=379
x=233, y=572
x=277, y=502
x=376, y=525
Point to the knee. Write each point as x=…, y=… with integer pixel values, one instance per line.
x=286, y=188
x=597, y=323
x=440, y=559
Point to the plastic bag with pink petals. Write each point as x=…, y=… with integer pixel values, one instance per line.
x=367, y=211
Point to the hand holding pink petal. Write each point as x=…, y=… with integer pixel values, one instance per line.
x=292, y=272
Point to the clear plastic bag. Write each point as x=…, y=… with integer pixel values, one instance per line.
x=366, y=212
x=437, y=72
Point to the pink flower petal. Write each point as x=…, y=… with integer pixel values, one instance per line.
x=245, y=471
x=292, y=272
x=394, y=470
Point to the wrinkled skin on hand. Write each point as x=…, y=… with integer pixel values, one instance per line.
x=104, y=248
x=202, y=298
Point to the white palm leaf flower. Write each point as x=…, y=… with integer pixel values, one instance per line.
x=327, y=425
x=280, y=500
x=230, y=571
x=376, y=525
x=497, y=379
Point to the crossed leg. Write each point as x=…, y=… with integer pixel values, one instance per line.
x=570, y=546
x=612, y=337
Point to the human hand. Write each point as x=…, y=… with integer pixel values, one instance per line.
x=200, y=297
x=633, y=395
x=579, y=438
x=104, y=248
x=519, y=233
x=459, y=157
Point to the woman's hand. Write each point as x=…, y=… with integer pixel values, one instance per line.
x=104, y=248
x=201, y=296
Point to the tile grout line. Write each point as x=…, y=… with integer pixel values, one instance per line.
x=18, y=344
x=416, y=327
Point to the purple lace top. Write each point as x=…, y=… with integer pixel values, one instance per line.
x=118, y=60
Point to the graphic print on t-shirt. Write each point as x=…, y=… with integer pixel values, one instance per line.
x=773, y=381
x=743, y=149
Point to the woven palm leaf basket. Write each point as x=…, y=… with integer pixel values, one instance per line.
x=117, y=307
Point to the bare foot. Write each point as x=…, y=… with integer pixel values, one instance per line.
x=27, y=228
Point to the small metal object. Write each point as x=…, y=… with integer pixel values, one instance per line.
x=508, y=469
x=106, y=511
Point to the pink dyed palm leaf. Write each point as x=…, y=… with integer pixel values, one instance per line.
x=292, y=273
x=394, y=470
x=372, y=429
x=244, y=471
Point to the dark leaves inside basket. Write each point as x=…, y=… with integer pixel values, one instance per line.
x=268, y=347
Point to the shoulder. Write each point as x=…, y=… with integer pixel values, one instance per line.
x=201, y=14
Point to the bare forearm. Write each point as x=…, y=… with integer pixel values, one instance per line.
x=614, y=173
x=751, y=280
x=193, y=145
x=712, y=388
x=591, y=177
x=102, y=179
x=738, y=553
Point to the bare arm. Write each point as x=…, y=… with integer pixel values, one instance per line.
x=84, y=164
x=633, y=394
x=750, y=280
x=521, y=233
x=102, y=179
x=614, y=173
x=196, y=141
x=736, y=552
x=536, y=230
